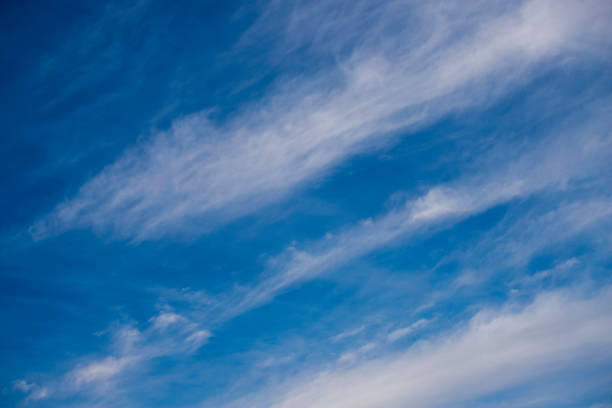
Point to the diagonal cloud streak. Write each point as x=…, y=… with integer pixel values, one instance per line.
x=559, y=332
x=199, y=175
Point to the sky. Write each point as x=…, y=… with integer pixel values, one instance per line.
x=306, y=204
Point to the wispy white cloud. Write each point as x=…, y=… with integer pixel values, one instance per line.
x=169, y=334
x=512, y=244
x=199, y=174
x=406, y=331
x=560, y=270
x=277, y=361
x=348, y=333
x=554, y=164
x=575, y=158
x=38, y=393
x=99, y=370
x=33, y=390
x=352, y=355
x=165, y=319
x=22, y=385
x=497, y=350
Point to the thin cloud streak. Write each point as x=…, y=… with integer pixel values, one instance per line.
x=199, y=175
x=406, y=331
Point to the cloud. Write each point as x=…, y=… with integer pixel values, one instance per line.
x=168, y=335
x=98, y=370
x=198, y=174
x=38, y=394
x=348, y=333
x=22, y=385
x=34, y=391
x=165, y=319
x=405, y=331
x=554, y=164
x=508, y=248
x=277, y=361
x=198, y=339
x=558, y=333
x=351, y=356
x=512, y=245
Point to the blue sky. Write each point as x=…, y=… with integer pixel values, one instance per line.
x=306, y=204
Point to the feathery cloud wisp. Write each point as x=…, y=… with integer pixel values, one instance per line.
x=198, y=174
